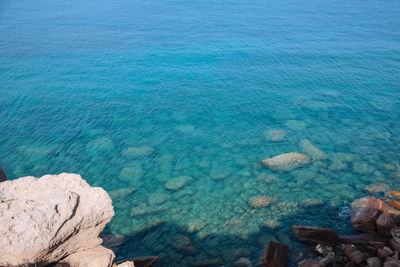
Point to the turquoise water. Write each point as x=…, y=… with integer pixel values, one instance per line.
x=133, y=94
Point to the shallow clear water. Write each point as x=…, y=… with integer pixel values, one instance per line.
x=195, y=85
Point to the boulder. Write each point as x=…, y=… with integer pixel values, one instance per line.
x=44, y=220
x=374, y=262
x=310, y=263
x=316, y=235
x=141, y=262
x=365, y=213
x=310, y=149
x=367, y=241
x=3, y=176
x=275, y=255
x=93, y=257
x=287, y=161
x=385, y=223
x=384, y=252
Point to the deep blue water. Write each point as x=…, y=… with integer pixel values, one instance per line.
x=195, y=85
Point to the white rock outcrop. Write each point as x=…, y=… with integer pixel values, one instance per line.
x=43, y=220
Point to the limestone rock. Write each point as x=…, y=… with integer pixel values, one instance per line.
x=43, y=220
x=177, y=183
x=261, y=201
x=275, y=135
x=3, y=176
x=93, y=257
x=287, y=161
x=310, y=149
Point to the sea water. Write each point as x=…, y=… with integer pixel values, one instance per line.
x=134, y=94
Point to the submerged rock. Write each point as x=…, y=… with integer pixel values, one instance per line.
x=377, y=188
x=121, y=193
x=267, y=178
x=220, y=173
x=131, y=173
x=275, y=255
x=96, y=257
x=317, y=235
x=311, y=202
x=137, y=152
x=100, y=146
x=287, y=161
x=310, y=149
x=178, y=183
x=46, y=219
x=183, y=242
x=155, y=199
x=275, y=135
x=295, y=125
x=261, y=201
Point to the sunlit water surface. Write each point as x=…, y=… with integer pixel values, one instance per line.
x=133, y=94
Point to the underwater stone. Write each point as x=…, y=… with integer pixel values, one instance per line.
x=243, y=262
x=295, y=125
x=121, y=193
x=275, y=135
x=220, y=173
x=275, y=255
x=361, y=167
x=287, y=161
x=137, y=152
x=112, y=241
x=184, y=243
x=100, y=146
x=131, y=173
x=310, y=149
x=178, y=182
x=261, y=201
x=157, y=198
x=311, y=202
x=195, y=226
x=271, y=224
x=377, y=188
x=267, y=178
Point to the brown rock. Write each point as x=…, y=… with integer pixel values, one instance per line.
x=395, y=194
x=391, y=262
x=395, y=245
x=275, y=255
x=395, y=233
x=384, y=252
x=365, y=212
x=310, y=263
x=366, y=241
x=394, y=203
x=374, y=262
x=356, y=256
x=3, y=176
x=316, y=235
x=385, y=223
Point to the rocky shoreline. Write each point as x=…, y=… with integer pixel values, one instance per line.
x=58, y=220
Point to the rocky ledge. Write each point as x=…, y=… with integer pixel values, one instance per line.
x=54, y=219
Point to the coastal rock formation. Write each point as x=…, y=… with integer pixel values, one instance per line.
x=94, y=257
x=3, y=176
x=44, y=220
x=287, y=161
